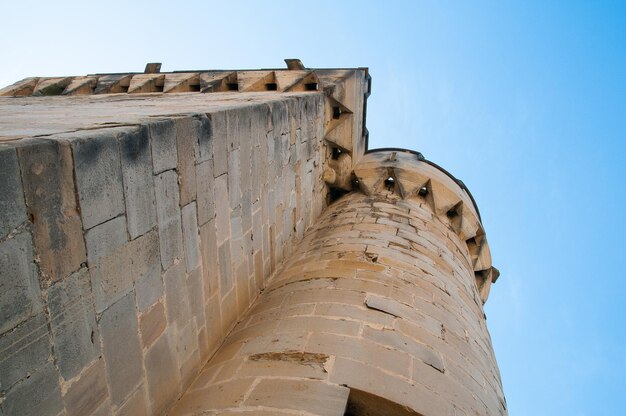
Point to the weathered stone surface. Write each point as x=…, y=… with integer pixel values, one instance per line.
x=109, y=262
x=98, y=177
x=303, y=395
x=186, y=143
x=86, y=395
x=19, y=286
x=191, y=240
x=206, y=191
x=135, y=405
x=73, y=323
x=138, y=181
x=222, y=209
x=12, y=207
x=163, y=145
x=25, y=349
x=162, y=376
x=105, y=238
x=168, y=215
x=225, y=269
x=146, y=269
x=152, y=324
x=220, y=396
x=177, y=302
x=39, y=395
x=122, y=352
x=47, y=175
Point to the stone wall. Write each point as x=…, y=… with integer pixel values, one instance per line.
x=127, y=253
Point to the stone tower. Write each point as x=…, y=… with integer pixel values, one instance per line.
x=224, y=242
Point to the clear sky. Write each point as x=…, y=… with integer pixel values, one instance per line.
x=525, y=102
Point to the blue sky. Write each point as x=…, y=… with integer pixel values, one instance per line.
x=526, y=102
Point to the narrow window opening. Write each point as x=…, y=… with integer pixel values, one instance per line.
x=452, y=213
x=158, y=88
x=336, y=152
x=390, y=182
x=124, y=89
x=232, y=86
x=336, y=112
x=194, y=87
x=423, y=191
x=271, y=86
x=311, y=86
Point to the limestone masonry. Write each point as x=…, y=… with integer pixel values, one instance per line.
x=223, y=242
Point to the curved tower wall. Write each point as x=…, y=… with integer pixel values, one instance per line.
x=377, y=311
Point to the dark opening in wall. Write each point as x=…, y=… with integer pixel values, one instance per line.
x=336, y=112
x=311, y=86
x=334, y=194
x=271, y=86
x=361, y=403
x=232, y=86
x=452, y=213
x=124, y=88
x=423, y=191
x=390, y=183
x=336, y=152
x=158, y=88
x=194, y=87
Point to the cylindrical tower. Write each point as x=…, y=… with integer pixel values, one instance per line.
x=378, y=311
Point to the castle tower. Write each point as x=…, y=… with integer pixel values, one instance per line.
x=223, y=242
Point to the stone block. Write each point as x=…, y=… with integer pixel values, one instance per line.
x=39, y=395
x=206, y=191
x=315, y=324
x=162, y=376
x=233, y=178
x=219, y=396
x=24, y=350
x=208, y=249
x=303, y=395
x=191, y=240
x=394, y=361
x=49, y=191
x=88, y=393
x=186, y=143
x=135, y=405
x=19, y=285
x=111, y=272
x=203, y=133
x=104, y=239
x=220, y=143
x=213, y=323
x=146, y=269
x=163, y=145
x=168, y=216
x=398, y=341
x=367, y=378
x=177, y=302
x=225, y=268
x=196, y=295
x=395, y=308
x=222, y=209
x=122, y=352
x=152, y=324
x=12, y=207
x=73, y=322
x=98, y=177
x=138, y=181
